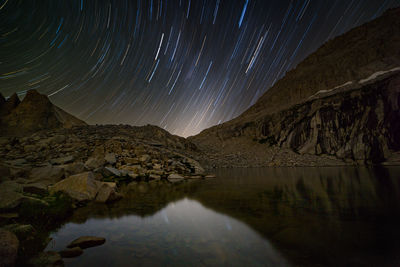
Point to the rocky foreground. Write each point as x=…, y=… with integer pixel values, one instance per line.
x=46, y=175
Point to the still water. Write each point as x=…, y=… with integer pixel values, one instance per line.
x=248, y=217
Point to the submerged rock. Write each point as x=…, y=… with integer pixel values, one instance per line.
x=87, y=242
x=71, y=252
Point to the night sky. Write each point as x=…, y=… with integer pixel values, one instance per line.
x=182, y=65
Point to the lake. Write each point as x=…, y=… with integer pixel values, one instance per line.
x=248, y=217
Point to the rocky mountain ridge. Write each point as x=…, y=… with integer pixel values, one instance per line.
x=339, y=106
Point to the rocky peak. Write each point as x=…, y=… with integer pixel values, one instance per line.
x=34, y=113
x=8, y=105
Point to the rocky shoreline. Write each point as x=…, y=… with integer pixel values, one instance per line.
x=49, y=174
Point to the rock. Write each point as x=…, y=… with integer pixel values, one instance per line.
x=22, y=231
x=110, y=171
x=94, y=163
x=110, y=158
x=57, y=139
x=4, y=173
x=6, y=218
x=145, y=158
x=30, y=148
x=63, y=160
x=157, y=166
x=131, y=161
x=48, y=259
x=107, y=194
x=195, y=177
x=50, y=174
x=17, y=162
x=173, y=177
x=9, y=245
x=73, y=168
x=154, y=177
x=80, y=187
x=87, y=242
x=210, y=176
x=36, y=188
x=71, y=252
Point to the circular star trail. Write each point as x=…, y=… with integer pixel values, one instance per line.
x=183, y=65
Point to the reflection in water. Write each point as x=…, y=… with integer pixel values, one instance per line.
x=313, y=216
x=184, y=233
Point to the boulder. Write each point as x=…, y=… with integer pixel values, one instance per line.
x=35, y=188
x=110, y=171
x=80, y=187
x=22, y=231
x=73, y=168
x=62, y=160
x=94, y=163
x=145, y=158
x=48, y=174
x=71, y=252
x=87, y=242
x=8, y=248
x=110, y=158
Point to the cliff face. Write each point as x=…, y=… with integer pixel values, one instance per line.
x=355, y=125
x=341, y=102
x=34, y=113
x=361, y=125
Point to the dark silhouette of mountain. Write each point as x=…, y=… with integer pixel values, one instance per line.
x=34, y=113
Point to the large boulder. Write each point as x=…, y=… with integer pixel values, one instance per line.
x=48, y=174
x=80, y=187
x=8, y=248
x=73, y=168
x=94, y=163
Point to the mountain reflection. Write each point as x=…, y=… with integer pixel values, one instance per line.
x=328, y=216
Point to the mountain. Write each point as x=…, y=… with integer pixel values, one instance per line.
x=35, y=112
x=339, y=106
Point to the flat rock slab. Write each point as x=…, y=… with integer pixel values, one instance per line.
x=71, y=252
x=87, y=242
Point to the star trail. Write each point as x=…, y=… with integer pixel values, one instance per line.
x=183, y=65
